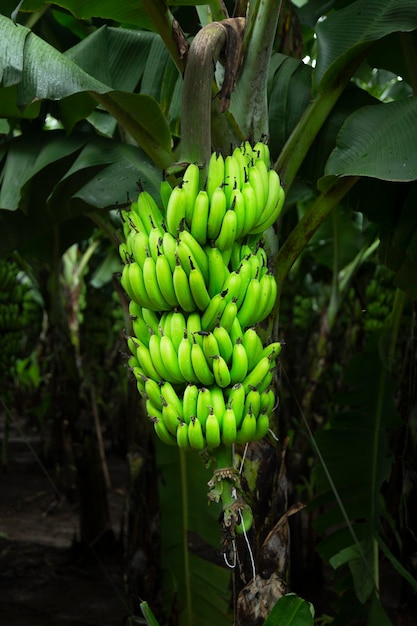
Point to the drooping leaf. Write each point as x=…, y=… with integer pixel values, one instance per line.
x=376, y=141
x=368, y=21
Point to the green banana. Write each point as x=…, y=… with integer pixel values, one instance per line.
x=239, y=368
x=217, y=211
x=175, y=213
x=236, y=398
x=170, y=417
x=203, y=405
x=247, y=313
x=228, y=427
x=177, y=327
x=227, y=233
x=215, y=173
x=195, y=251
x=146, y=362
x=253, y=402
x=199, y=218
x=218, y=402
x=182, y=288
x=153, y=391
x=184, y=360
x=195, y=435
x=256, y=376
x=162, y=432
x=210, y=346
x=198, y=288
x=182, y=435
x=189, y=401
x=224, y=342
x=170, y=396
x=253, y=346
x=165, y=191
x=152, y=288
x=262, y=425
x=221, y=371
x=200, y=365
x=164, y=278
x=214, y=311
x=229, y=315
x=213, y=436
x=247, y=430
x=217, y=271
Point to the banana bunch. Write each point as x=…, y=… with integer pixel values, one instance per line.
x=20, y=315
x=198, y=280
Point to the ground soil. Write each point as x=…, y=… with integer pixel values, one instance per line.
x=45, y=579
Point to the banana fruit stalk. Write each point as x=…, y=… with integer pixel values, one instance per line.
x=199, y=283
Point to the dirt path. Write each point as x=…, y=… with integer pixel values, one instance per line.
x=43, y=580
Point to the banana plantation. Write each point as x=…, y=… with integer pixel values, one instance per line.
x=208, y=286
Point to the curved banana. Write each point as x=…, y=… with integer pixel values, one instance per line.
x=257, y=375
x=253, y=346
x=261, y=149
x=164, y=278
x=184, y=360
x=239, y=368
x=270, y=295
x=200, y=365
x=227, y=234
x=236, y=398
x=203, y=405
x=218, y=402
x=247, y=313
x=217, y=271
x=214, y=311
x=262, y=426
x=221, y=371
x=251, y=207
x=152, y=286
x=210, y=346
x=175, y=213
x=177, y=327
x=194, y=327
x=198, y=288
x=229, y=315
x=258, y=178
x=189, y=401
x=236, y=331
x=162, y=431
x=233, y=285
x=138, y=243
x=170, y=357
x=134, y=280
x=247, y=430
x=231, y=178
x=146, y=362
x=215, y=173
x=170, y=417
x=140, y=329
x=228, y=427
x=182, y=288
x=152, y=319
x=217, y=211
x=165, y=191
x=169, y=248
x=157, y=359
x=152, y=410
x=273, y=205
x=199, y=217
x=197, y=253
x=182, y=435
x=272, y=350
x=267, y=400
x=224, y=342
x=153, y=392
x=154, y=242
x=195, y=435
x=213, y=436
x=253, y=402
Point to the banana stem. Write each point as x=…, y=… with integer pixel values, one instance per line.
x=251, y=92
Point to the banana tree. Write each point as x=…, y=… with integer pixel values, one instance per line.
x=95, y=96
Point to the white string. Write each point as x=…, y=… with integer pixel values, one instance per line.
x=252, y=560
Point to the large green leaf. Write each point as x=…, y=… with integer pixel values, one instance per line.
x=291, y=610
x=196, y=588
x=41, y=72
x=343, y=35
x=376, y=141
x=126, y=12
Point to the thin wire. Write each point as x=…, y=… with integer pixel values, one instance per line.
x=252, y=560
